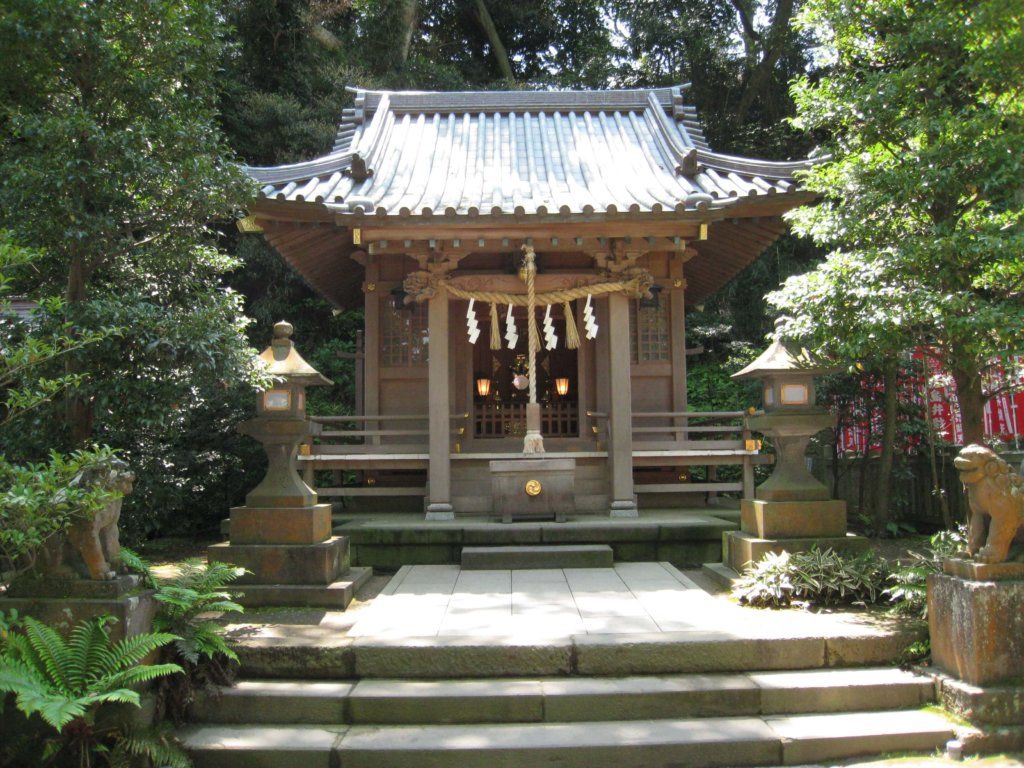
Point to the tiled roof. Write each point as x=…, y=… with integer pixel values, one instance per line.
x=523, y=152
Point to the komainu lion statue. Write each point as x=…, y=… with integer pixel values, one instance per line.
x=91, y=546
x=996, y=496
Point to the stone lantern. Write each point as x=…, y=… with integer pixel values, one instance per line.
x=281, y=424
x=282, y=535
x=791, y=510
x=790, y=418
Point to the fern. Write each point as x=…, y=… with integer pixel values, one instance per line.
x=157, y=745
x=135, y=562
x=198, y=589
x=61, y=680
x=908, y=590
x=187, y=605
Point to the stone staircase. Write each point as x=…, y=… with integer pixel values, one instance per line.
x=590, y=702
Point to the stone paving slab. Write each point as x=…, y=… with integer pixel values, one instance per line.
x=636, y=618
x=725, y=741
x=297, y=746
x=629, y=599
x=835, y=690
x=812, y=738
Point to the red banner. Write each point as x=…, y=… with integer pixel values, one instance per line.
x=1003, y=417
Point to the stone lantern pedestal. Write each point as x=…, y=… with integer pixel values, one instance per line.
x=282, y=535
x=791, y=511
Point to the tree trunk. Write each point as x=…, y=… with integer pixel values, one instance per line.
x=972, y=403
x=862, y=481
x=497, y=47
x=938, y=492
x=78, y=415
x=757, y=78
x=407, y=16
x=883, y=488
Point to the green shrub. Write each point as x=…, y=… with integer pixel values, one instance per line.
x=815, y=577
x=908, y=582
x=766, y=583
x=38, y=500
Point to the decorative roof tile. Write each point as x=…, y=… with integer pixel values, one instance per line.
x=420, y=154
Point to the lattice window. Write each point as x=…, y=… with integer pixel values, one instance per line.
x=649, y=333
x=403, y=335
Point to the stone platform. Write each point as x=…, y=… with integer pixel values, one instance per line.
x=685, y=538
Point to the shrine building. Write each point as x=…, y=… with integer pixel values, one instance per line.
x=524, y=261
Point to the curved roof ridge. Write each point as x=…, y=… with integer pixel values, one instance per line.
x=513, y=101
x=774, y=169
x=275, y=174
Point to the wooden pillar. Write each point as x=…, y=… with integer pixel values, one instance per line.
x=677, y=318
x=620, y=417
x=371, y=361
x=439, y=505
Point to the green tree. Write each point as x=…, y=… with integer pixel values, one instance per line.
x=922, y=205
x=111, y=166
x=25, y=351
x=738, y=55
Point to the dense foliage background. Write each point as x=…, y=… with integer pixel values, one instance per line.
x=120, y=122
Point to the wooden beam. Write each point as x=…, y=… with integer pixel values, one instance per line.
x=512, y=283
x=417, y=248
x=520, y=231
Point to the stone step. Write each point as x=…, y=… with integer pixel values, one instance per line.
x=727, y=741
x=526, y=557
x=260, y=746
x=324, y=653
x=525, y=700
x=335, y=596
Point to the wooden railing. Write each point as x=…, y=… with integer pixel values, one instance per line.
x=690, y=438
x=331, y=436
x=558, y=419
x=394, y=448
x=709, y=429
x=390, y=454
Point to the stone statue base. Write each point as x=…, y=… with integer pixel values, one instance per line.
x=976, y=624
x=995, y=711
x=63, y=602
x=968, y=569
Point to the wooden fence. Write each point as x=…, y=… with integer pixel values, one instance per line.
x=913, y=501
